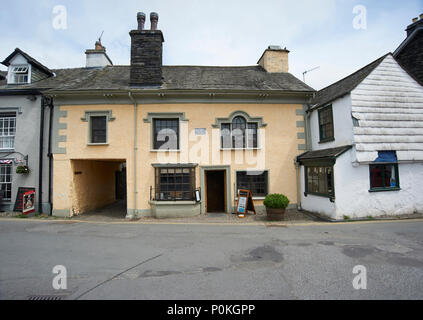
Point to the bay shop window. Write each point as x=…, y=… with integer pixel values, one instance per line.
x=174, y=183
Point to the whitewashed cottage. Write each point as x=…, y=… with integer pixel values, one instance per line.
x=366, y=150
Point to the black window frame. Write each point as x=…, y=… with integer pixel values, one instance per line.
x=384, y=187
x=174, y=183
x=329, y=193
x=228, y=138
x=325, y=118
x=156, y=143
x=249, y=182
x=93, y=136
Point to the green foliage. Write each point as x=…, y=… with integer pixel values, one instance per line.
x=347, y=218
x=22, y=169
x=276, y=201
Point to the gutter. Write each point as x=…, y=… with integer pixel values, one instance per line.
x=135, y=155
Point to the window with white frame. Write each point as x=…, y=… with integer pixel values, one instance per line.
x=6, y=181
x=7, y=130
x=19, y=74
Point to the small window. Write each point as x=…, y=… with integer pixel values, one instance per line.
x=326, y=124
x=239, y=134
x=384, y=175
x=98, y=129
x=6, y=181
x=173, y=184
x=255, y=181
x=20, y=74
x=319, y=181
x=166, y=134
x=7, y=130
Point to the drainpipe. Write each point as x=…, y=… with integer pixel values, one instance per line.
x=40, y=168
x=297, y=169
x=50, y=156
x=135, y=153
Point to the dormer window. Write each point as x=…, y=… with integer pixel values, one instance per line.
x=19, y=74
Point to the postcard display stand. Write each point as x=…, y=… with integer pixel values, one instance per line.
x=245, y=203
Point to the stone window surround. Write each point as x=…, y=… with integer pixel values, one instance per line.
x=164, y=115
x=259, y=120
x=257, y=197
x=98, y=113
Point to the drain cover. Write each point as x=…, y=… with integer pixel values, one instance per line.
x=44, y=298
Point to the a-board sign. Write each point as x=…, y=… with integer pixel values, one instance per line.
x=245, y=202
x=28, y=202
x=20, y=198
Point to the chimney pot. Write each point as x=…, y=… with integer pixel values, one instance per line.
x=98, y=46
x=154, y=19
x=141, y=20
x=415, y=19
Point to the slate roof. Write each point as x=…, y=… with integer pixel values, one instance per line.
x=344, y=86
x=3, y=75
x=323, y=154
x=174, y=78
x=30, y=60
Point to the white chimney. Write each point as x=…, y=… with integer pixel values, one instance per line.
x=97, y=58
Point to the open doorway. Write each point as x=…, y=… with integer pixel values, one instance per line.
x=215, y=181
x=99, y=188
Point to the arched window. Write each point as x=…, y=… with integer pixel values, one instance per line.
x=239, y=134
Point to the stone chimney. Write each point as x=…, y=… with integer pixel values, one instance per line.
x=146, y=53
x=274, y=59
x=97, y=58
x=415, y=23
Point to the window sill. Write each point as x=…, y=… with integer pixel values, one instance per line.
x=327, y=140
x=323, y=195
x=238, y=149
x=98, y=144
x=385, y=189
x=254, y=198
x=172, y=202
x=7, y=150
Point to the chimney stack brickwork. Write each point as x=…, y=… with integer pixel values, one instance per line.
x=275, y=59
x=146, y=56
x=414, y=25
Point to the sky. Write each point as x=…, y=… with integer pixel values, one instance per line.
x=337, y=36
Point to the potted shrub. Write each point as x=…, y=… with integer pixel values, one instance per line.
x=22, y=169
x=275, y=206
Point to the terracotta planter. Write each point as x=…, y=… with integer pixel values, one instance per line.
x=275, y=214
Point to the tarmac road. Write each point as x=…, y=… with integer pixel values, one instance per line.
x=210, y=261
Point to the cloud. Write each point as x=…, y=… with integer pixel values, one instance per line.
x=220, y=32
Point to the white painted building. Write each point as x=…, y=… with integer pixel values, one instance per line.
x=366, y=155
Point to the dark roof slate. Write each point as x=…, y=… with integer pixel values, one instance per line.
x=174, y=78
x=3, y=75
x=346, y=85
x=324, y=153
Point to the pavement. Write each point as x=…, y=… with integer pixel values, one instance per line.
x=135, y=260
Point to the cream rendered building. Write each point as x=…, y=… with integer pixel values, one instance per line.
x=174, y=140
